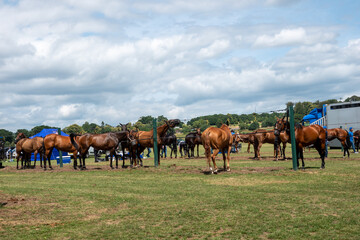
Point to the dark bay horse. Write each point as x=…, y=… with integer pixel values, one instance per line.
x=61, y=143
x=105, y=141
x=219, y=139
x=25, y=146
x=357, y=139
x=305, y=136
x=170, y=140
x=342, y=135
x=145, y=139
x=193, y=139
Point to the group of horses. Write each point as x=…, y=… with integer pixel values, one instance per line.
x=213, y=139
x=305, y=136
x=135, y=141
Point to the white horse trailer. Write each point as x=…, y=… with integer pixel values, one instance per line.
x=340, y=115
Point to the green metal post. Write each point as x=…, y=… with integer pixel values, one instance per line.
x=292, y=136
x=60, y=152
x=156, y=156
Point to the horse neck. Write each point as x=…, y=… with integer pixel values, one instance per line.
x=121, y=135
x=161, y=130
x=225, y=127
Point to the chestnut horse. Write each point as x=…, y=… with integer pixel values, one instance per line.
x=105, y=141
x=145, y=139
x=193, y=139
x=342, y=135
x=25, y=146
x=270, y=137
x=61, y=143
x=305, y=136
x=219, y=139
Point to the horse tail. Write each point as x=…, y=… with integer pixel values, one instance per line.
x=347, y=142
x=73, y=142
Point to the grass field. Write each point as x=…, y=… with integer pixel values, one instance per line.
x=258, y=199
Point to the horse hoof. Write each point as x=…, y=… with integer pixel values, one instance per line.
x=228, y=170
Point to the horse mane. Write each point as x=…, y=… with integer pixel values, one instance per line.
x=299, y=126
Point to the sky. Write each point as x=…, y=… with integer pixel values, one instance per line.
x=70, y=61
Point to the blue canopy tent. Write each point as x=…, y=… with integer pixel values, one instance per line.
x=43, y=133
x=314, y=115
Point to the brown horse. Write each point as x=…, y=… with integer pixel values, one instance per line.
x=25, y=146
x=145, y=139
x=357, y=139
x=342, y=135
x=193, y=139
x=170, y=140
x=305, y=136
x=270, y=137
x=61, y=143
x=104, y=141
x=219, y=139
x=250, y=139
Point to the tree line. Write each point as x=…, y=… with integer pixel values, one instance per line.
x=145, y=123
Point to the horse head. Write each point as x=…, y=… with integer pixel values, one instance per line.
x=123, y=126
x=19, y=136
x=173, y=122
x=133, y=137
x=280, y=125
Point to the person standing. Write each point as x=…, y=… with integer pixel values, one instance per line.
x=351, y=138
x=149, y=151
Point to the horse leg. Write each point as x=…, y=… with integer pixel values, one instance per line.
x=35, y=157
x=75, y=159
x=17, y=161
x=258, y=150
x=224, y=158
x=208, y=157
x=117, y=160
x=197, y=147
x=158, y=154
x=123, y=150
x=321, y=150
x=215, y=152
x=302, y=157
x=228, y=159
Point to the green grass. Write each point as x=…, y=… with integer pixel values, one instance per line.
x=259, y=199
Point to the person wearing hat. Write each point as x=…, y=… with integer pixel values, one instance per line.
x=326, y=141
x=351, y=138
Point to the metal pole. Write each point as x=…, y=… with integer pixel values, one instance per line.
x=292, y=136
x=156, y=156
x=60, y=152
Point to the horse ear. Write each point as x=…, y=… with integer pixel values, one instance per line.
x=283, y=118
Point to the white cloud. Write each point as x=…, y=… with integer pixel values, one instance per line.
x=75, y=61
x=294, y=36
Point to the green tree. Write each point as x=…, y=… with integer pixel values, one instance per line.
x=89, y=127
x=352, y=98
x=24, y=131
x=74, y=128
x=253, y=126
x=9, y=136
x=161, y=120
x=146, y=120
x=37, y=129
